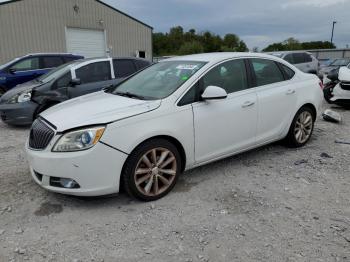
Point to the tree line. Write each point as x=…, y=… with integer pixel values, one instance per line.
x=294, y=44
x=179, y=42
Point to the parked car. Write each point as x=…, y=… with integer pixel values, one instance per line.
x=29, y=67
x=22, y=104
x=325, y=62
x=175, y=115
x=304, y=61
x=339, y=94
x=335, y=65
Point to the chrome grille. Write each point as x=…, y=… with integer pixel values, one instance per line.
x=40, y=135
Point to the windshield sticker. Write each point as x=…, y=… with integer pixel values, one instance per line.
x=187, y=67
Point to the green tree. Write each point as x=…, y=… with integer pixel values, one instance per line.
x=231, y=41
x=293, y=44
x=188, y=48
x=177, y=41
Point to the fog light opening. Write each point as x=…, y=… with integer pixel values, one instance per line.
x=68, y=183
x=64, y=183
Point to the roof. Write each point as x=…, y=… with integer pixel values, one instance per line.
x=99, y=1
x=215, y=57
x=46, y=54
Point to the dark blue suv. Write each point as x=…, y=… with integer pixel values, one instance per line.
x=29, y=67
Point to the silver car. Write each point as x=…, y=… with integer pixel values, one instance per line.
x=304, y=61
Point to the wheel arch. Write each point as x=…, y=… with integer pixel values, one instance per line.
x=312, y=107
x=172, y=140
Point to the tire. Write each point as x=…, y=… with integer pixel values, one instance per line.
x=327, y=93
x=301, y=129
x=153, y=183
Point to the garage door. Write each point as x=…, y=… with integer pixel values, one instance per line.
x=89, y=43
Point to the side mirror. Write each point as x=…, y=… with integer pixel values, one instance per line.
x=214, y=93
x=12, y=70
x=75, y=82
x=344, y=74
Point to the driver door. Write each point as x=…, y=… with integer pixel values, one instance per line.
x=225, y=126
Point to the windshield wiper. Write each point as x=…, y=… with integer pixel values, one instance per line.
x=130, y=95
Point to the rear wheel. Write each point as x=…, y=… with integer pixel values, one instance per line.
x=301, y=128
x=151, y=171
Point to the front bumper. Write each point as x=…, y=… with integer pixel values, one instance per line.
x=19, y=114
x=96, y=170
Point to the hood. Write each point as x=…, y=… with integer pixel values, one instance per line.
x=20, y=88
x=96, y=108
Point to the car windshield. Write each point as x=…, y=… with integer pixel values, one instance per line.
x=55, y=73
x=341, y=62
x=159, y=80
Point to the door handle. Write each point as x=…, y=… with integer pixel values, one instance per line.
x=290, y=92
x=248, y=104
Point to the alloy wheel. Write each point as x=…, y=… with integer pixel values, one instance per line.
x=303, y=127
x=155, y=172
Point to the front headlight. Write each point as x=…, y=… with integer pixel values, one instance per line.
x=21, y=97
x=79, y=140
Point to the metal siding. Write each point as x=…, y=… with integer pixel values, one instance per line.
x=32, y=26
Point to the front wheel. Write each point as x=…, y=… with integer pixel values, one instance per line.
x=152, y=169
x=301, y=128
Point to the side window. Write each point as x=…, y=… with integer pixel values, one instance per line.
x=289, y=58
x=289, y=73
x=52, y=61
x=141, y=64
x=266, y=72
x=63, y=81
x=94, y=72
x=123, y=68
x=27, y=64
x=231, y=76
x=298, y=58
x=307, y=58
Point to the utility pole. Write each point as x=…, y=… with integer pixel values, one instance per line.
x=334, y=22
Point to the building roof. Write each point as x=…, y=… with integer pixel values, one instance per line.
x=99, y=1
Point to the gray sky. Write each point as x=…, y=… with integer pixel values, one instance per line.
x=257, y=22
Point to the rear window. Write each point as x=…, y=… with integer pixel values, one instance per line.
x=298, y=58
x=52, y=61
x=289, y=73
x=307, y=58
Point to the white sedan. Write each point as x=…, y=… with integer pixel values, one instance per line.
x=175, y=115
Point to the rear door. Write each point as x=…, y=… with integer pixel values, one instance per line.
x=93, y=76
x=276, y=97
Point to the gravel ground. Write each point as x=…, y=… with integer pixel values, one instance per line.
x=269, y=204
